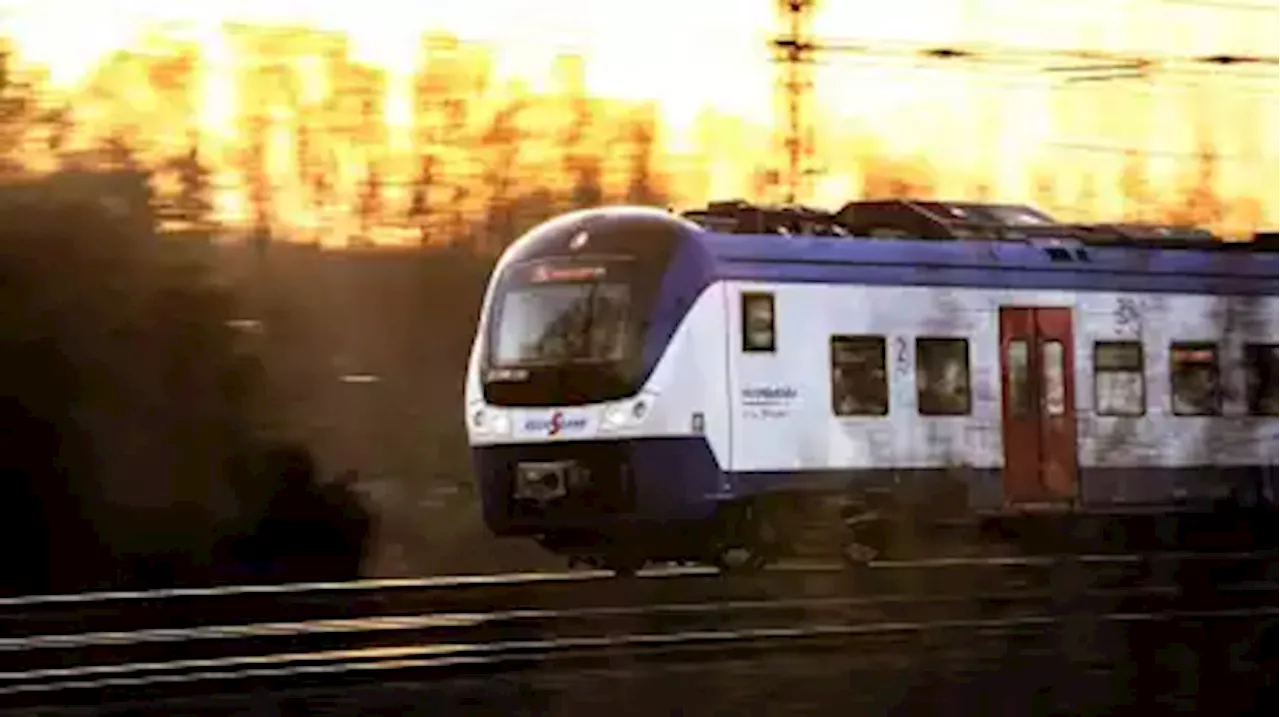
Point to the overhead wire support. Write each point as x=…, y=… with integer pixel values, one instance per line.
x=796, y=51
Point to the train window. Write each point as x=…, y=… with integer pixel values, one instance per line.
x=758, y=322
x=1194, y=379
x=942, y=377
x=859, y=384
x=1260, y=378
x=1119, y=385
x=1055, y=381
x=1016, y=360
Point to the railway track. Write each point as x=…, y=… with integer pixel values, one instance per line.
x=427, y=629
x=185, y=607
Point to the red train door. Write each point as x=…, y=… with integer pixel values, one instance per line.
x=1039, y=413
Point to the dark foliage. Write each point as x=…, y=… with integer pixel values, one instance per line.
x=131, y=424
x=304, y=530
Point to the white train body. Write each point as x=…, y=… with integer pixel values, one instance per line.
x=714, y=421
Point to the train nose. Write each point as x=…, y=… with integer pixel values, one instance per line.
x=534, y=487
x=530, y=486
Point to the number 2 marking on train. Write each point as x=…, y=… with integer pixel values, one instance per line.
x=901, y=365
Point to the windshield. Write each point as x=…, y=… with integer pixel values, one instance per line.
x=562, y=323
x=567, y=330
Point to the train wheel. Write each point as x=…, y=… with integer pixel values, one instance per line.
x=864, y=539
x=744, y=541
x=857, y=555
x=739, y=559
x=624, y=564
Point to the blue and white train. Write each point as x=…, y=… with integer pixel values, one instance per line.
x=645, y=386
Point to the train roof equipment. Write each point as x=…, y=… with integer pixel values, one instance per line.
x=1264, y=241
x=921, y=219
x=911, y=219
x=737, y=216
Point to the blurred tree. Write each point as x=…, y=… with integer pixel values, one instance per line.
x=1201, y=206
x=253, y=166
x=588, y=177
x=60, y=123
x=643, y=183
x=530, y=208
x=419, y=212
x=1134, y=186
x=580, y=162
x=370, y=201
x=116, y=152
x=501, y=143
x=441, y=123
x=312, y=169
x=191, y=201
x=16, y=102
x=458, y=226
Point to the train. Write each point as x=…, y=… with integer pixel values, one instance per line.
x=739, y=383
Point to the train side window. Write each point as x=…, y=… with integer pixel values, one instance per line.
x=942, y=377
x=859, y=383
x=758, y=330
x=1053, y=364
x=1260, y=378
x=1017, y=365
x=1194, y=379
x=1119, y=385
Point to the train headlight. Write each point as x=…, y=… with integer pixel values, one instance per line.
x=487, y=422
x=627, y=414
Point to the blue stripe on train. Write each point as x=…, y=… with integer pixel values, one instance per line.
x=677, y=478
x=704, y=258
x=987, y=264
x=994, y=278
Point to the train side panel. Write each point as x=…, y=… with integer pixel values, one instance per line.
x=787, y=435
x=1162, y=456
x=691, y=416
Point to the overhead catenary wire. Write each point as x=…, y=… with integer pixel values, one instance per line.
x=1072, y=68
x=1225, y=5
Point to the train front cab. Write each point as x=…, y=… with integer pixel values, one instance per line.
x=584, y=409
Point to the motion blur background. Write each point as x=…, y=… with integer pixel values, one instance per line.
x=342, y=176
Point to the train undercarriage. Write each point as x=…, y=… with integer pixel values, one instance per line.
x=748, y=535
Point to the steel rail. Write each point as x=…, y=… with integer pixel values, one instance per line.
x=427, y=621
x=388, y=659
x=529, y=578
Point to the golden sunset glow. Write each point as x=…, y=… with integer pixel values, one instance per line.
x=1014, y=129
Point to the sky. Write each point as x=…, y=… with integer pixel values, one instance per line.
x=695, y=55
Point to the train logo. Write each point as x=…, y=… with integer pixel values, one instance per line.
x=557, y=424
